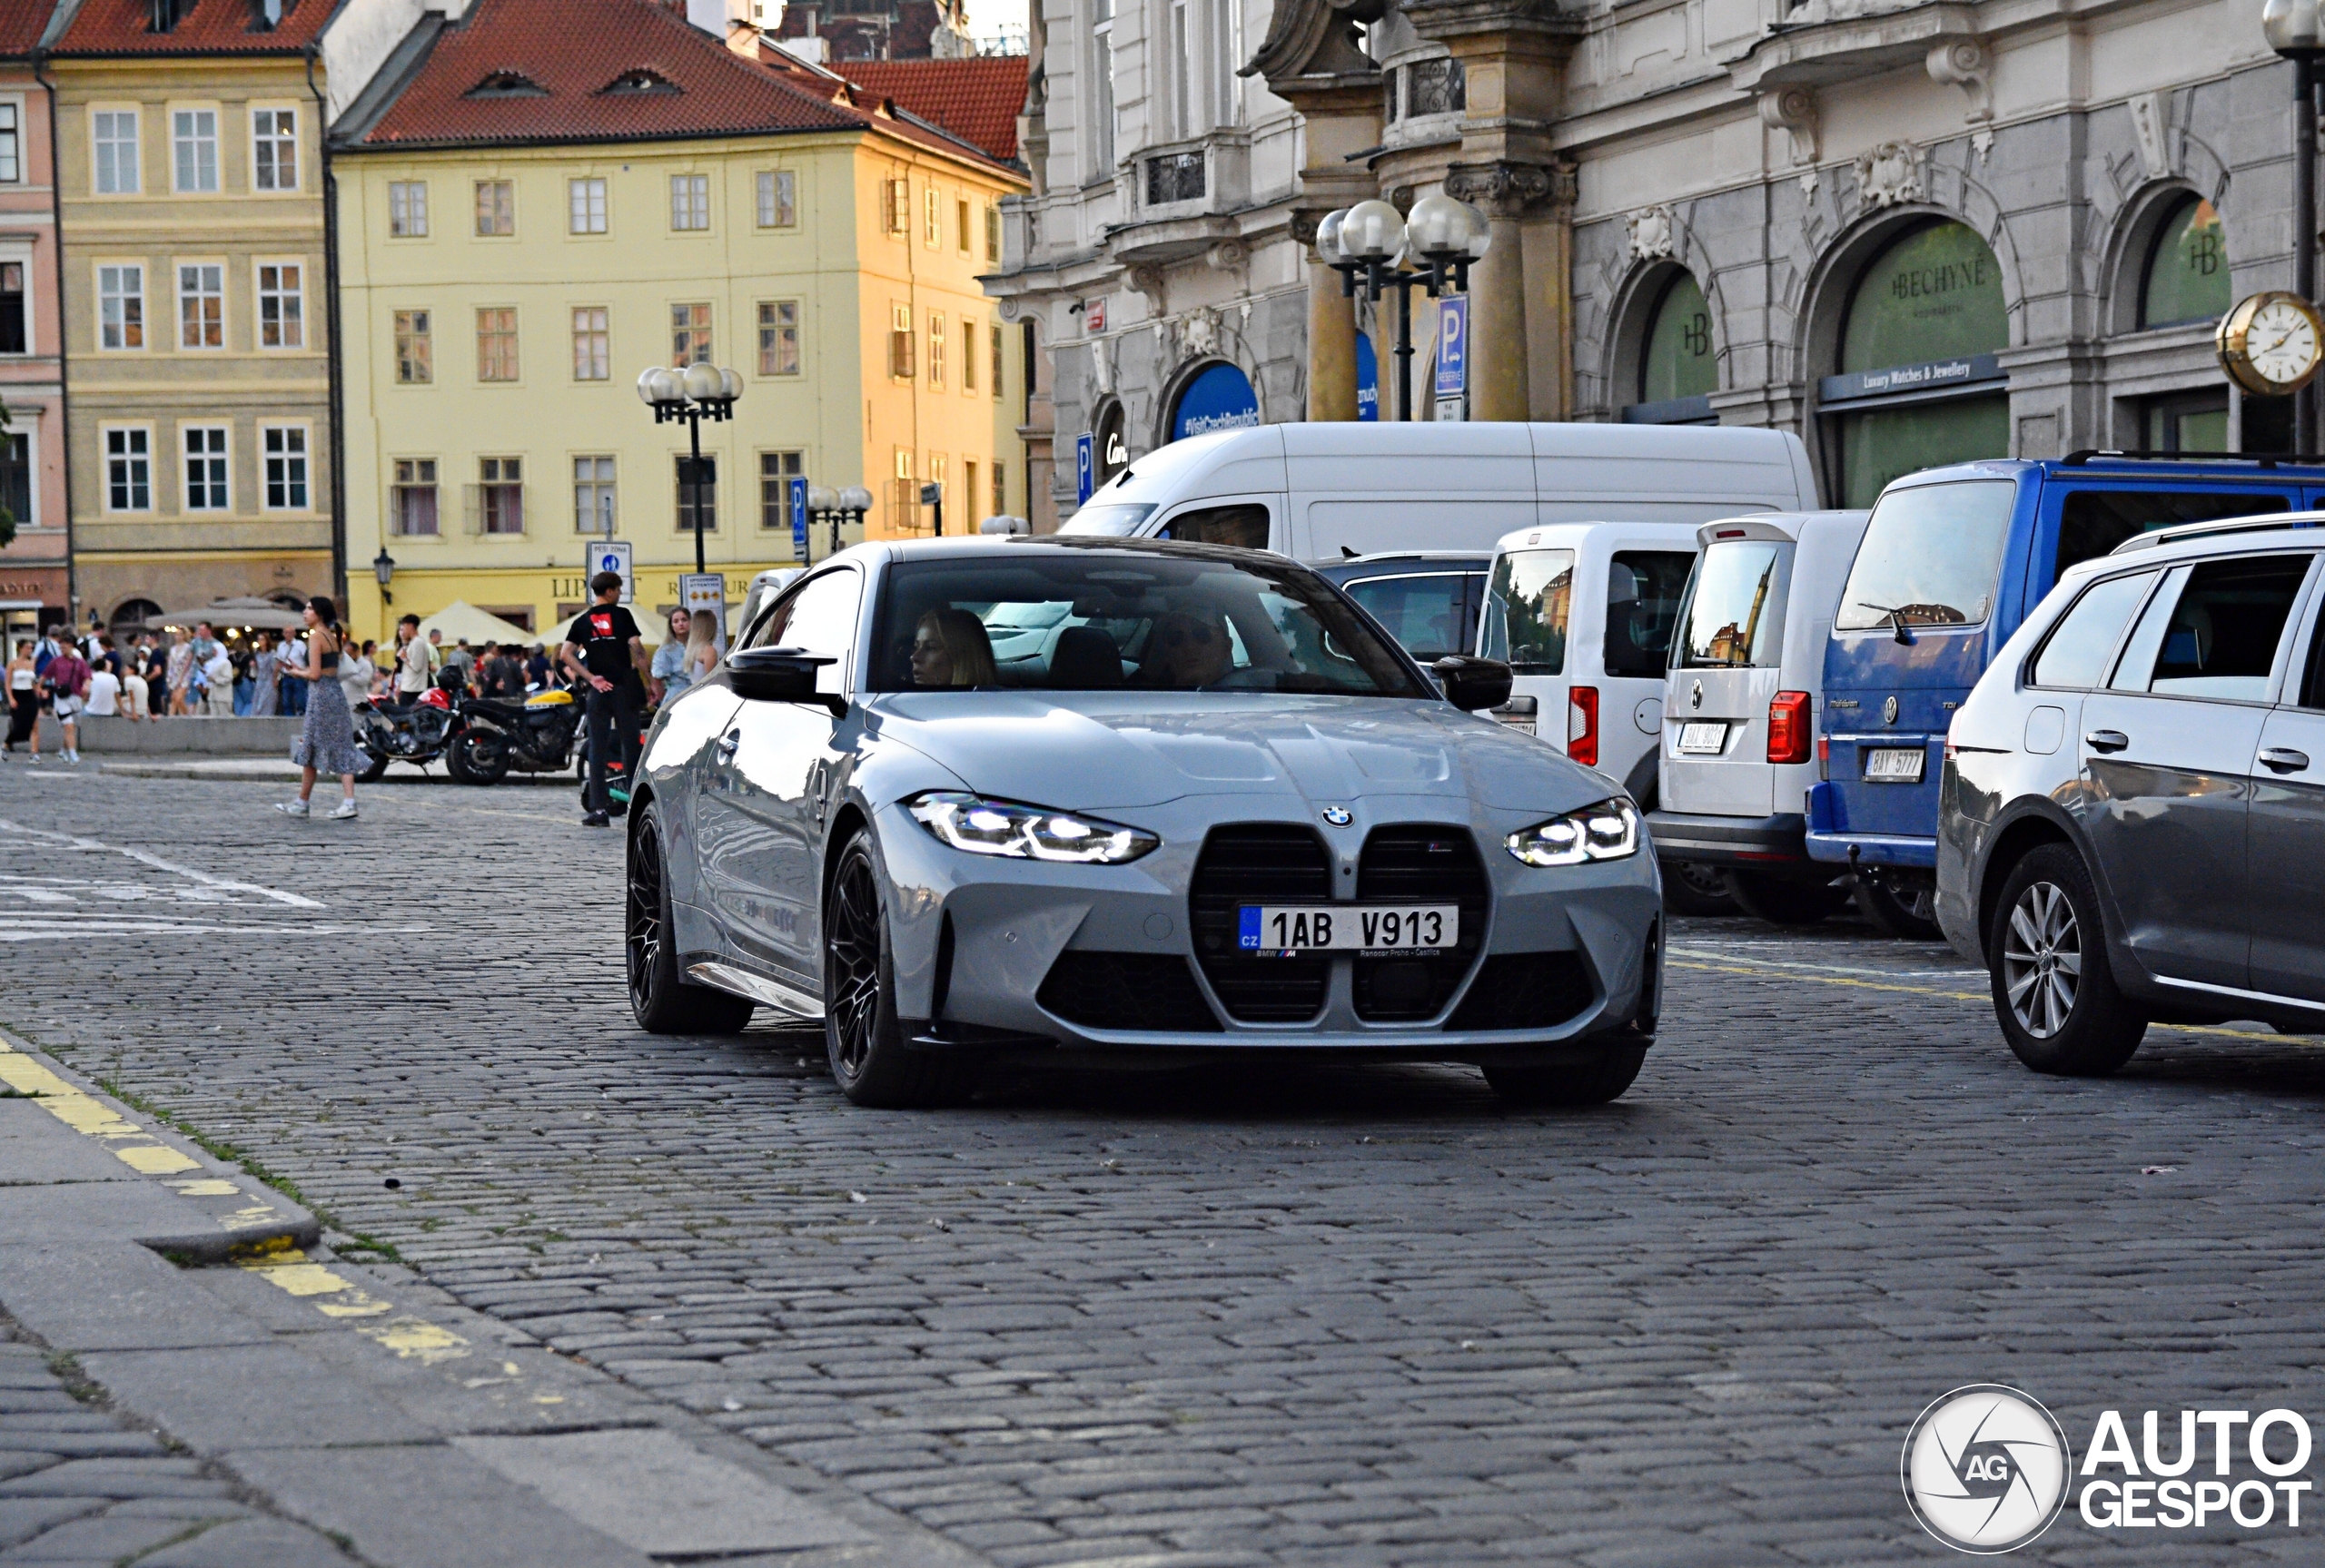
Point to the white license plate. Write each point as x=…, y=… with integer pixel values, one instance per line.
x=1703, y=738
x=1272, y=928
x=1895, y=765
x=1522, y=723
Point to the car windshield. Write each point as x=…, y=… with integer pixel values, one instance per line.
x=1119, y=518
x=1525, y=610
x=1085, y=620
x=1732, y=614
x=1431, y=613
x=1930, y=556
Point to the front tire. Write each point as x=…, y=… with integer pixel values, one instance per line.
x=1909, y=914
x=870, y=1058
x=1597, y=1084
x=2055, y=992
x=477, y=757
x=375, y=766
x=1690, y=887
x=659, y=997
x=1781, y=901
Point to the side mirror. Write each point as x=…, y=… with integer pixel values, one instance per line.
x=780, y=675
x=1472, y=683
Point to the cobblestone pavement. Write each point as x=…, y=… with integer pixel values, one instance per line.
x=1234, y=1317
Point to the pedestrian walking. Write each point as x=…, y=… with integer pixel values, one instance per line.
x=414, y=668
x=289, y=658
x=23, y=700
x=604, y=649
x=218, y=682
x=67, y=680
x=668, y=670
x=181, y=674
x=326, y=742
x=266, y=677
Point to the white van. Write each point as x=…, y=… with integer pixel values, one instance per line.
x=1320, y=492
x=1583, y=613
x=1742, y=706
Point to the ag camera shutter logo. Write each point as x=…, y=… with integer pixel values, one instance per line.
x=1987, y=1469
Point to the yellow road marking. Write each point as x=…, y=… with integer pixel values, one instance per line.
x=417, y=1339
x=135, y=1148
x=211, y=1188
x=291, y=1271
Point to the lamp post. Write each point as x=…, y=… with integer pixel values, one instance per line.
x=697, y=393
x=2296, y=31
x=838, y=506
x=383, y=567
x=1371, y=241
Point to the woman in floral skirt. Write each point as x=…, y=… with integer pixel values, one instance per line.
x=326, y=741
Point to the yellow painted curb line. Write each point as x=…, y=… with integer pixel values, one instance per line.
x=130, y=1143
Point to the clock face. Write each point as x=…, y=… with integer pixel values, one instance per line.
x=2281, y=344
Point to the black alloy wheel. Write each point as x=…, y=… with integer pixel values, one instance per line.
x=1908, y=913
x=870, y=1059
x=1691, y=887
x=477, y=757
x=2055, y=992
x=1594, y=1084
x=659, y=998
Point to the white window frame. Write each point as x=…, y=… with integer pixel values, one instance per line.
x=277, y=139
x=143, y=456
x=597, y=497
x=1106, y=129
x=124, y=270
x=302, y=455
x=11, y=141
x=401, y=325
x=126, y=181
x=601, y=334
x=588, y=206
x=689, y=201
x=295, y=317
x=476, y=208
x=414, y=217
x=21, y=257
x=769, y=314
x=193, y=149
x=222, y=476
x=213, y=275
x=778, y=198
x=398, y=484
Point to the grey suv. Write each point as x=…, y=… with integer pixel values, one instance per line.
x=2132, y=820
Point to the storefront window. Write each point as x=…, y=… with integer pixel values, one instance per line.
x=1678, y=361
x=1935, y=294
x=2187, y=273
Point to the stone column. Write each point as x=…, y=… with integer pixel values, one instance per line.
x=1332, y=331
x=1502, y=328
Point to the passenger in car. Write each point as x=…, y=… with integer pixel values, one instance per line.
x=950, y=648
x=1185, y=652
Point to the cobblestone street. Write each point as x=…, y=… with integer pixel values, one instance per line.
x=1333, y=1317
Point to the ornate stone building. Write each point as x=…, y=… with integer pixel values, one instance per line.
x=1912, y=233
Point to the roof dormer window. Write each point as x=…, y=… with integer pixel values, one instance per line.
x=506, y=84
x=631, y=83
x=165, y=14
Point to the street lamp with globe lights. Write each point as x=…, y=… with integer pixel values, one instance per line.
x=2295, y=29
x=836, y=507
x=1372, y=242
x=694, y=394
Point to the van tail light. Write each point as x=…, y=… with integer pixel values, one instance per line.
x=1582, y=725
x=1788, y=727
x=1824, y=758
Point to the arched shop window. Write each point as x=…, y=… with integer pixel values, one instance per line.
x=1677, y=372
x=1919, y=382
x=2187, y=269
x=1218, y=398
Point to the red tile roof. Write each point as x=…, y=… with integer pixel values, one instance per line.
x=977, y=99
x=22, y=22
x=204, y=27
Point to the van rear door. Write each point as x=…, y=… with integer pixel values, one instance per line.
x=1725, y=666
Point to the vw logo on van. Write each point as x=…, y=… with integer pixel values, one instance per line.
x=1889, y=711
x=1696, y=696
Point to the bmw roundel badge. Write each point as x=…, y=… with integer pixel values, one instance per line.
x=1339, y=815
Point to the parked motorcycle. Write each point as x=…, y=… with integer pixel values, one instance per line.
x=417, y=732
x=535, y=735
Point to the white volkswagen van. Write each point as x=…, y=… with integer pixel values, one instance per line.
x=1741, y=708
x=1320, y=492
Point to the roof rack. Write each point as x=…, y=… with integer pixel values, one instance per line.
x=2258, y=459
x=2158, y=538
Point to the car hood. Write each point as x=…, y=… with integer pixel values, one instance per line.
x=1104, y=749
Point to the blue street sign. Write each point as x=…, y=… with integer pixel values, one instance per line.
x=1086, y=467
x=798, y=486
x=1368, y=379
x=1452, y=346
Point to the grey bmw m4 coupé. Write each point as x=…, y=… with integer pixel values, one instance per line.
x=1079, y=800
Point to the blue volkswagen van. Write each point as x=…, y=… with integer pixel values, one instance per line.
x=1952, y=561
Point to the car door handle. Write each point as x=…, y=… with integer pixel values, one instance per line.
x=726, y=745
x=2106, y=740
x=2285, y=760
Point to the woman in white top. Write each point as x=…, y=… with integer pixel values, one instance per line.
x=355, y=674
x=668, y=670
x=23, y=700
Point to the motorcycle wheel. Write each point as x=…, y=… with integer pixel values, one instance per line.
x=476, y=758
x=375, y=765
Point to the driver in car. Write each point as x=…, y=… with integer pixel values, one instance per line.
x=1185, y=652
x=950, y=648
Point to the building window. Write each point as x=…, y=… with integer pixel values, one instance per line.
x=1000, y=488
x=2187, y=273
x=12, y=309
x=689, y=202
x=284, y=447
x=1227, y=52
x=593, y=495
x=194, y=136
x=114, y=133
x=129, y=471
x=1174, y=177
x=495, y=207
x=961, y=223
x=16, y=476
x=1436, y=87
x=930, y=227
x=12, y=168
x=904, y=494
x=202, y=306
x=587, y=200
x=900, y=342
x=408, y=209
x=937, y=349
x=968, y=355
x=690, y=335
x=898, y=206
x=415, y=348
x=1101, y=76
x=992, y=233
x=496, y=344
x=121, y=307
x=205, y=467
x=274, y=149
x=778, y=337
x=1183, y=70
x=592, y=356
x=500, y=495
x=282, y=307
x=778, y=204
x=412, y=508
x=1676, y=360
x=777, y=470
x=993, y=358
x=698, y=499
x=969, y=488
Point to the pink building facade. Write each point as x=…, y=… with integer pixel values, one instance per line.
x=36, y=572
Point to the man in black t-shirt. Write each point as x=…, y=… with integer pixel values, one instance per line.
x=604, y=649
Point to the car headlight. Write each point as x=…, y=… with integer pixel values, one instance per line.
x=981, y=826
x=1607, y=831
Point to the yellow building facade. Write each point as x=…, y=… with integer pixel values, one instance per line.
x=500, y=300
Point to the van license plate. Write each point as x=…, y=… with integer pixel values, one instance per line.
x=1703, y=738
x=1269, y=929
x=1895, y=765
